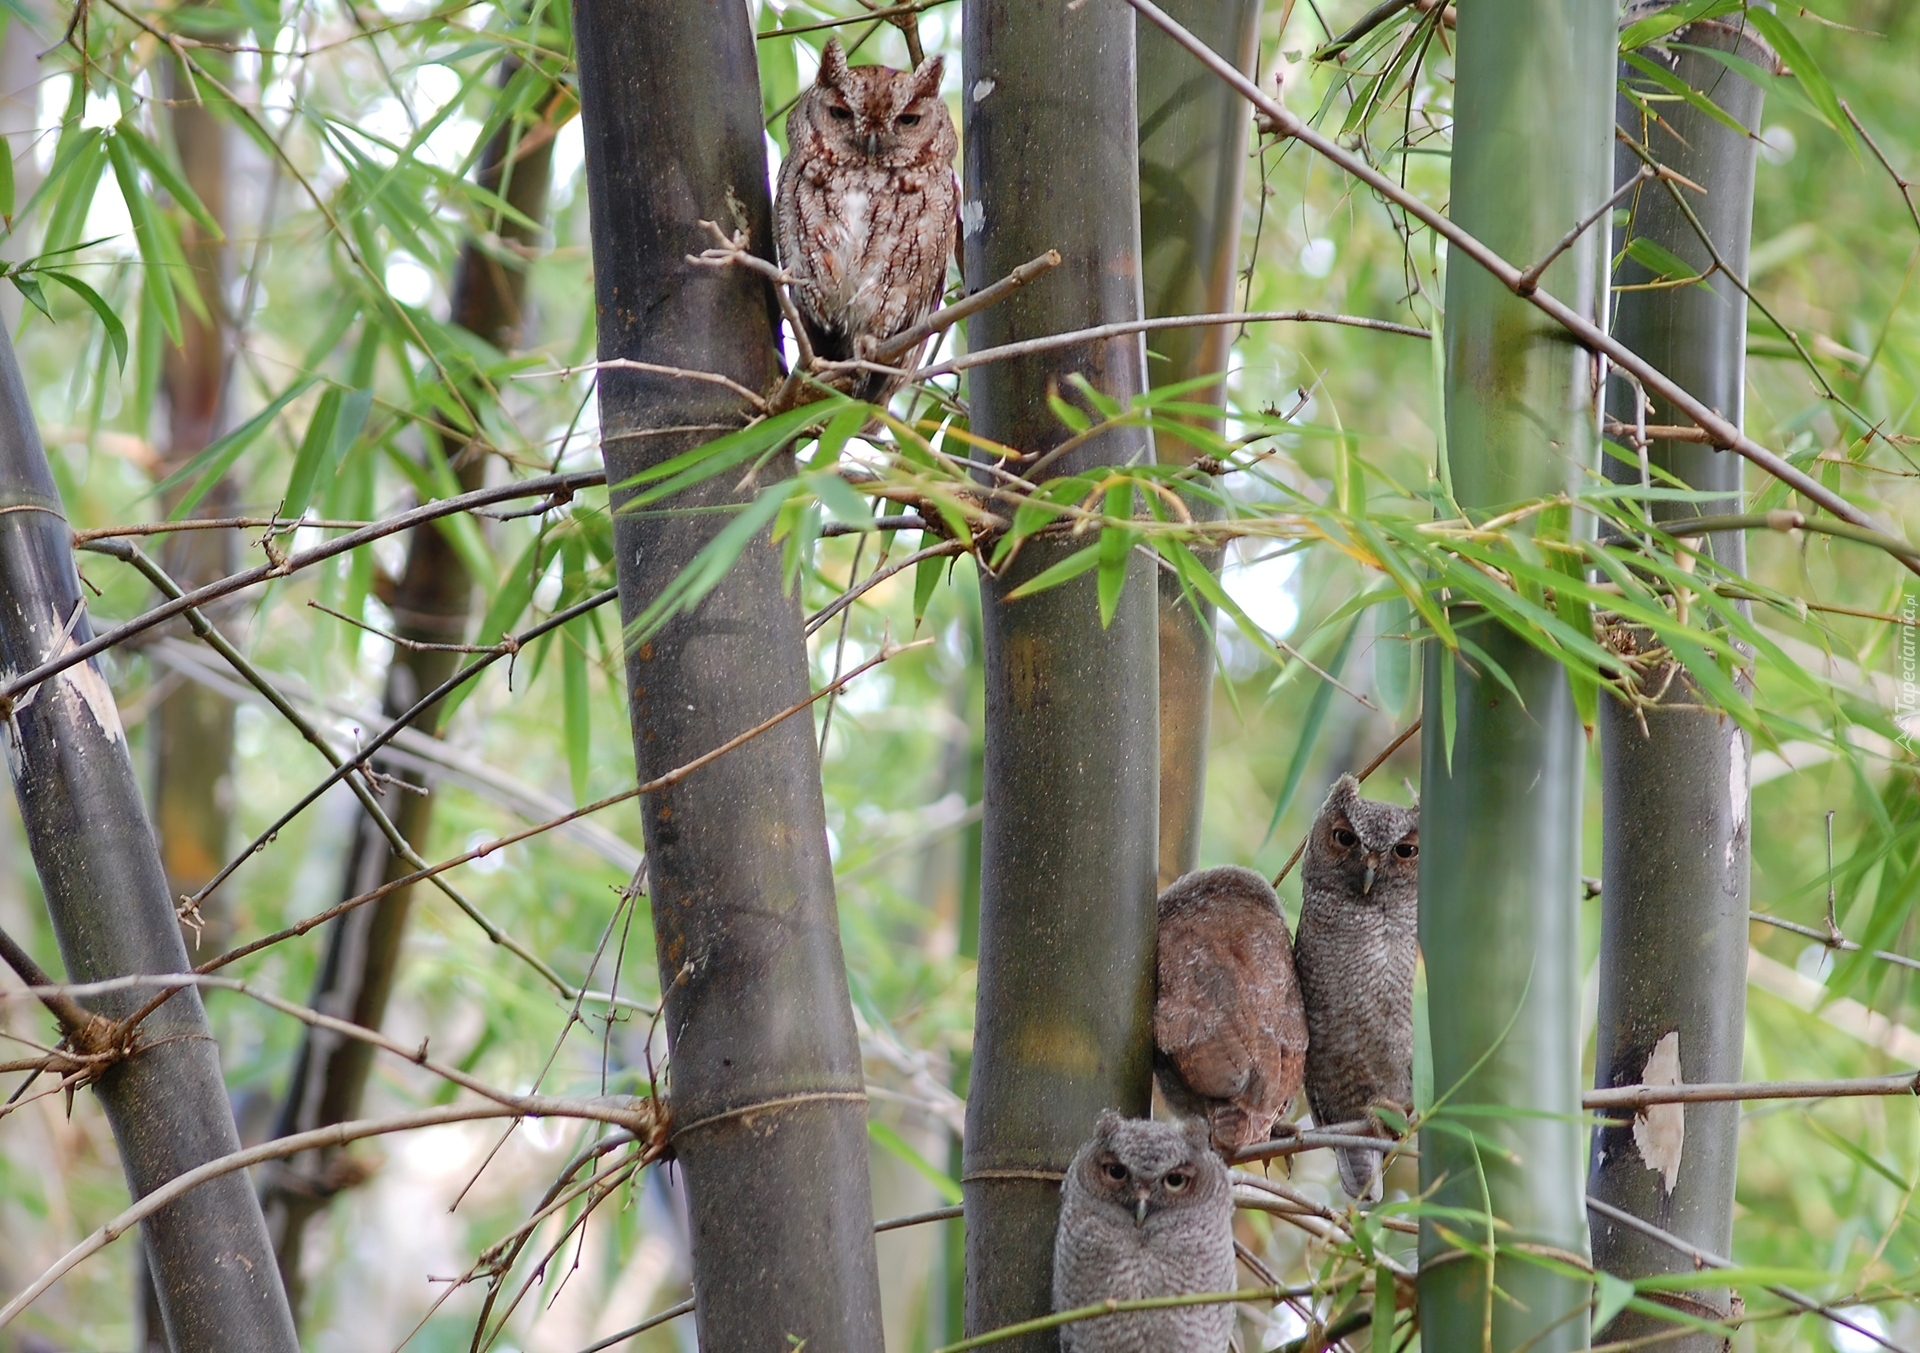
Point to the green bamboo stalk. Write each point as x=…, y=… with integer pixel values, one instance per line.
x=106, y=894
x=1502, y=778
x=431, y=604
x=1673, y=932
x=1193, y=157
x=767, y=1095
x=1063, y=1014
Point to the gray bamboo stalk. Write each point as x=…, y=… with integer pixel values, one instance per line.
x=430, y=604
x=107, y=895
x=1193, y=156
x=765, y=1087
x=1069, y=839
x=1673, y=931
x=1500, y=826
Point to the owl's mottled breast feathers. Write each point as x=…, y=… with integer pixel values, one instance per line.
x=1146, y=1211
x=867, y=209
x=1355, y=956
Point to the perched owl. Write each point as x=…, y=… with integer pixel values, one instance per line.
x=1147, y=1211
x=1359, y=930
x=867, y=209
x=1229, y=1032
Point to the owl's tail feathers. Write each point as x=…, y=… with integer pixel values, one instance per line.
x=1360, y=1171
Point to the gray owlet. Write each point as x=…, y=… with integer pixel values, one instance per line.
x=1359, y=932
x=1146, y=1211
x=1229, y=1032
x=866, y=214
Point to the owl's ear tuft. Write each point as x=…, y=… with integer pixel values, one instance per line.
x=833, y=65
x=926, y=76
x=1344, y=794
x=1108, y=1123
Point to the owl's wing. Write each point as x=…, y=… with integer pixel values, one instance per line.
x=1229, y=1015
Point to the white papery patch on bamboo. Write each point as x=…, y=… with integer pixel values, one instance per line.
x=1660, y=1130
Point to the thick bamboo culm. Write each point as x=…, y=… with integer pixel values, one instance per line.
x=1500, y=819
x=106, y=893
x=1068, y=844
x=1673, y=932
x=768, y=1101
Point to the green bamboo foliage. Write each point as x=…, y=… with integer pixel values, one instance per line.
x=1673, y=941
x=1193, y=157
x=768, y=1100
x=106, y=894
x=431, y=604
x=1503, y=755
x=1063, y=1018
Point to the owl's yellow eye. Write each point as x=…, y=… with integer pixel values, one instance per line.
x=1176, y=1181
x=839, y=114
x=1116, y=1172
x=1345, y=837
x=907, y=120
x=1406, y=850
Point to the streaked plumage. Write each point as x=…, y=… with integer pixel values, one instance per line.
x=1359, y=936
x=1146, y=1211
x=867, y=210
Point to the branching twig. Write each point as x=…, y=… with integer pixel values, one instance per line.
x=640, y=1116
x=239, y=582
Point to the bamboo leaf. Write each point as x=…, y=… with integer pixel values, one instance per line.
x=6, y=185
x=206, y=468
x=1679, y=88
x=1662, y=262
x=1806, y=70
x=116, y=331
x=1309, y=733
x=1657, y=26
x=510, y=599
x=896, y=1145
x=317, y=455
x=575, y=707
x=1058, y=572
x=926, y=578
x=30, y=287
x=167, y=176
x=146, y=234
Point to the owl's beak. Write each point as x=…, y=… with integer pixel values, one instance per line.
x=1373, y=863
x=873, y=144
x=1140, y=1210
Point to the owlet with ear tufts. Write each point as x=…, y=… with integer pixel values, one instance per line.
x=1229, y=1033
x=1146, y=1211
x=1359, y=933
x=867, y=207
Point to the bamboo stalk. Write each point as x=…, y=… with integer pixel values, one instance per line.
x=1068, y=842
x=106, y=893
x=1673, y=930
x=1502, y=777
x=767, y=1093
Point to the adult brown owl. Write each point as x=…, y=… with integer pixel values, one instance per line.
x=1359, y=937
x=867, y=208
x=1229, y=1030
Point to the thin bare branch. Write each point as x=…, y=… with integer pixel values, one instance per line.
x=642, y=1117
x=239, y=582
